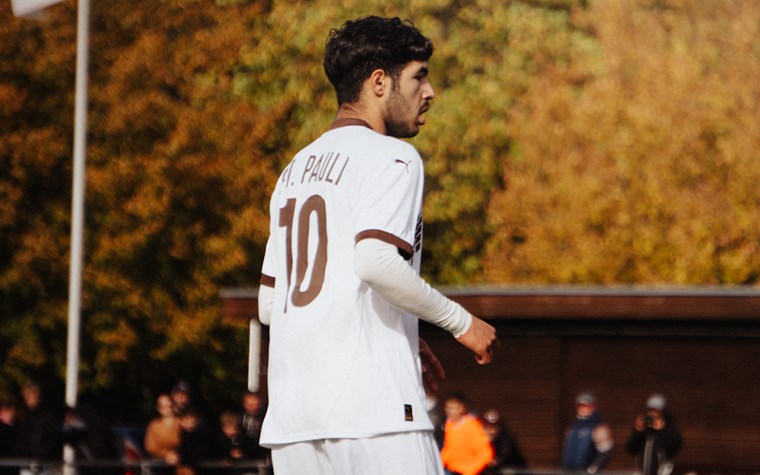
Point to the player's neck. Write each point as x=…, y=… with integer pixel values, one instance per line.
x=349, y=114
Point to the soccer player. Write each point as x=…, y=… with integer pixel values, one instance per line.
x=340, y=284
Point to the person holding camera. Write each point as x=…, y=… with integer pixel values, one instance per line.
x=655, y=439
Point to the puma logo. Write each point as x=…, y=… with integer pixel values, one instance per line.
x=406, y=164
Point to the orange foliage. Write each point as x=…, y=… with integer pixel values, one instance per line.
x=643, y=173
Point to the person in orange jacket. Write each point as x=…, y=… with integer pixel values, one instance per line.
x=466, y=448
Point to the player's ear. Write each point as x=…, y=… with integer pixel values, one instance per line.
x=380, y=82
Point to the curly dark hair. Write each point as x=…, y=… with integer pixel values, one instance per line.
x=363, y=45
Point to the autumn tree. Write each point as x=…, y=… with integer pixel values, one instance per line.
x=488, y=55
x=633, y=162
x=180, y=160
x=35, y=150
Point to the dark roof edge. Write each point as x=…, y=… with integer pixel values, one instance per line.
x=570, y=290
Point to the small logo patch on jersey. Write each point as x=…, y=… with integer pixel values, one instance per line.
x=406, y=164
x=408, y=416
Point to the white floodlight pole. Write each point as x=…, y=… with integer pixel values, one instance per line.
x=254, y=352
x=77, y=218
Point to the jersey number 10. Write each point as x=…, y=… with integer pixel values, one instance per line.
x=314, y=204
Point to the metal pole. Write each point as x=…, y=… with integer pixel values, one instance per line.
x=77, y=218
x=254, y=351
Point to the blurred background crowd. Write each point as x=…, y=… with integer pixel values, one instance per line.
x=187, y=435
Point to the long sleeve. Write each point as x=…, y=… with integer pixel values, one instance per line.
x=671, y=439
x=635, y=442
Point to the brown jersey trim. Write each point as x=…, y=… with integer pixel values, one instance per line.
x=267, y=280
x=347, y=121
x=404, y=248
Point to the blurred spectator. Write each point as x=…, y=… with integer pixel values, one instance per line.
x=195, y=443
x=588, y=442
x=7, y=427
x=506, y=453
x=89, y=432
x=466, y=449
x=253, y=411
x=162, y=433
x=655, y=439
x=232, y=444
x=39, y=434
x=181, y=397
x=437, y=418
x=7, y=433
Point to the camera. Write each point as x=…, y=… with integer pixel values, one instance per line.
x=648, y=420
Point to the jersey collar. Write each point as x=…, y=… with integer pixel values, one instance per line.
x=348, y=121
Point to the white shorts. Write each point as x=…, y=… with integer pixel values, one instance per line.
x=403, y=453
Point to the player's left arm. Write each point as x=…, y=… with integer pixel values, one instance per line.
x=380, y=266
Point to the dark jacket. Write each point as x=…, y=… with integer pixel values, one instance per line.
x=226, y=445
x=506, y=453
x=195, y=447
x=252, y=432
x=39, y=435
x=579, y=451
x=653, y=448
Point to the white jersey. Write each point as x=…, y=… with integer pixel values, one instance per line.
x=343, y=362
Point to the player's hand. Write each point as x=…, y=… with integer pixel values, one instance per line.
x=481, y=339
x=432, y=370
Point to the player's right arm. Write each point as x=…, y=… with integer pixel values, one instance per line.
x=266, y=287
x=265, y=303
x=379, y=265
